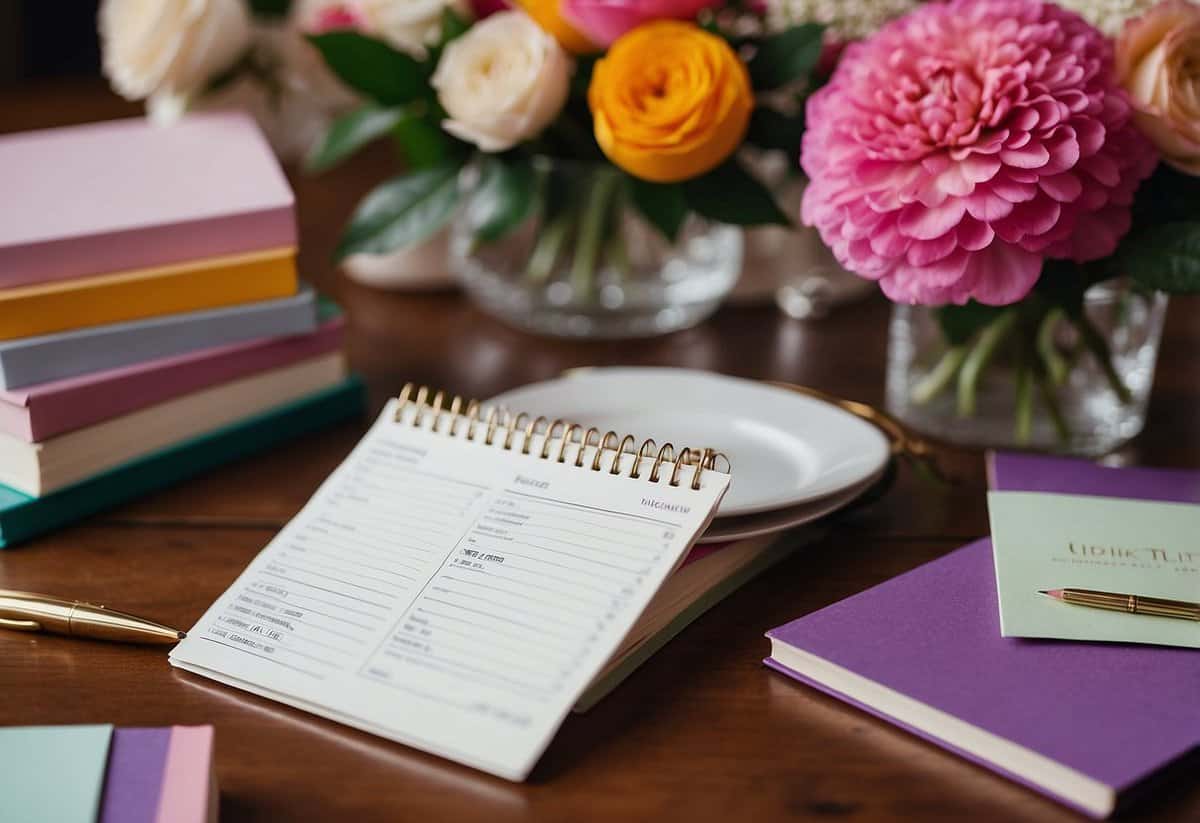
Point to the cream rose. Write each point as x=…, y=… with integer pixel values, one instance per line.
x=502, y=82
x=408, y=25
x=169, y=52
x=1158, y=61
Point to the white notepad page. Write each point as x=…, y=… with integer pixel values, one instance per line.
x=451, y=595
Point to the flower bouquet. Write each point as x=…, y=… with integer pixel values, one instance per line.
x=582, y=153
x=1024, y=188
x=205, y=54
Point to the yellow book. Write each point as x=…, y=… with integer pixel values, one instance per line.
x=111, y=298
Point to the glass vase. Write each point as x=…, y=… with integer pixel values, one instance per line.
x=1038, y=380
x=790, y=264
x=586, y=264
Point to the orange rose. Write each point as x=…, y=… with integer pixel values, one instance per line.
x=548, y=15
x=1158, y=62
x=670, y=101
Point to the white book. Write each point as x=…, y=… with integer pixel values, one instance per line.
x=456, y=584
x=37, y=469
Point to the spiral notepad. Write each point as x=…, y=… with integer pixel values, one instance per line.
x=461, y=578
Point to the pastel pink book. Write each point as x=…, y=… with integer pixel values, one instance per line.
x=189, y=789
x=128, y=194
x=36, y=413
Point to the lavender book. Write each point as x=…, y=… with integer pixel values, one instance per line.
x=924, y=651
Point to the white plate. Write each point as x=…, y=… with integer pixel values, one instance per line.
x=725, y=529
x=785, y=449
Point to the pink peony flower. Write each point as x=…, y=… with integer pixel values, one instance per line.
x=603, y=21
x=962, y=144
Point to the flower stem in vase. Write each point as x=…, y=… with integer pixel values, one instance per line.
x=1050, y=401
x=618, y=250
x=979, y=357
x=1023, y=424
x=1096, y=344
x=1056, y=365
x=601, y=190
x=940, y=376
x=550, y=240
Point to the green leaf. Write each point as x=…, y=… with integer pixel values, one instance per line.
x=454, y=26
x=1168, y=195
x=961, y=323
x=270, y=8
x=771, y=129
x=664, y=205
x=729, y=194
x=1164, y=257
x=349, y=133
x=422, y=142
x=403, y=211
x=372, y=67
x=504, y=199
x=788, y=56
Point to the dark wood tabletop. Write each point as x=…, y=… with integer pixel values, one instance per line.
x=703, y=731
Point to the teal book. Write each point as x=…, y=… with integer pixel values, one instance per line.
x=52, y=773
x=23, y=517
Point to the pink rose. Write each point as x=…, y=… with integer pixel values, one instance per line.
x=335, y=17
x=1158, y=62
x=603, y=21
x=483, y=8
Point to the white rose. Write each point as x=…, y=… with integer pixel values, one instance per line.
x=502, y=82
x=169, y=51
x=408, y=25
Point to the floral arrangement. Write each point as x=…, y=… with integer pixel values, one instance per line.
x=996, y=159
x=564, y=114
x=247, y=54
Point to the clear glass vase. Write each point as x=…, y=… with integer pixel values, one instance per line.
x=589, y=266
x=1056, y=384
x=790, y=264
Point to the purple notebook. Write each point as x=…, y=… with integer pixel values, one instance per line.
x=924, y=651
x=1008, y=472
x=136, y=763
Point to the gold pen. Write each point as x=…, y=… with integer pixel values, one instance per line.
x=1128, y=603
x=27, y=612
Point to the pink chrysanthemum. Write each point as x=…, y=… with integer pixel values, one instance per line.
x=962, y=144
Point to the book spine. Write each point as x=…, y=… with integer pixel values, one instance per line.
x=158, y=381
x=54, y=307
x=162, y=245
x=56, y=357
x=43, y=310
x=181, y=462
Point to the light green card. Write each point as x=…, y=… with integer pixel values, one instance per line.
x=52, y=774
x=1058, y=541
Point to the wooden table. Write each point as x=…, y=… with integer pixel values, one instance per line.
x=701, y=732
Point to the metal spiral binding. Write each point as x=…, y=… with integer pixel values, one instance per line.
x=518, y=431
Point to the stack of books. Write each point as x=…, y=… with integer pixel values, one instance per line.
x=101, y=774
x=151, y=321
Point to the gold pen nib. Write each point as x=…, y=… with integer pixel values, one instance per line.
x=106, y=624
